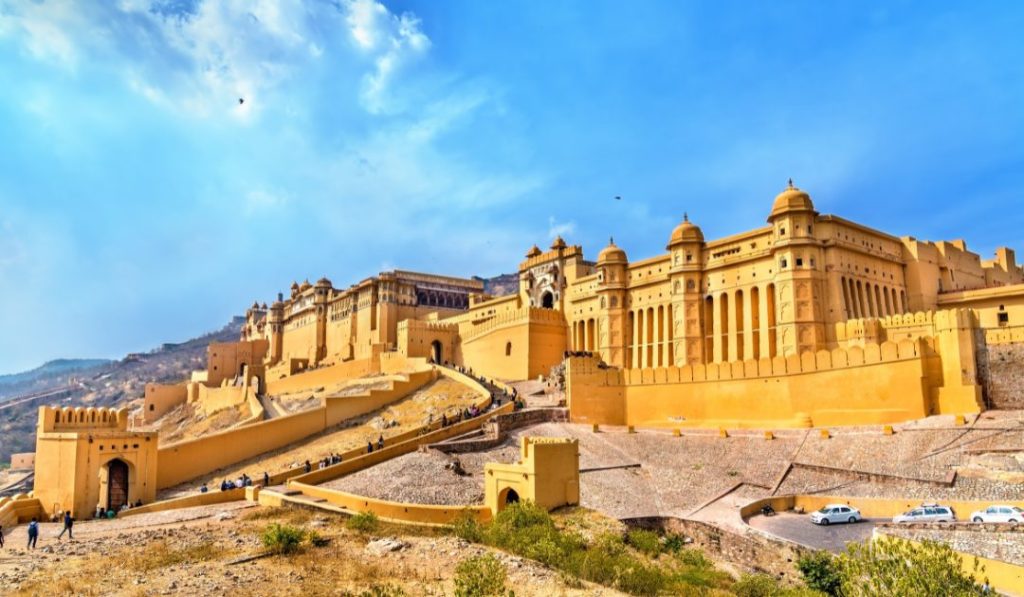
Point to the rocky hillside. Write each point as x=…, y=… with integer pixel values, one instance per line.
x=501, y=285
x=42, y=377
x=105, y=383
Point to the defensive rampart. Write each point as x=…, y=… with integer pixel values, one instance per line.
x=318, y=378
x=870, y=385
x=189, y=459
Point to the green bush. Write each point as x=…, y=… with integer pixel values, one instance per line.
x=364, y=522
x=820, y=572
x=466, y=527
x=529, y=531
x=892, y=566
x=282, y=538
x=645, y=541
x=479, y=576
x=758, y=585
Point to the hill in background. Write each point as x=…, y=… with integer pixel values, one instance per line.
x=97, y=382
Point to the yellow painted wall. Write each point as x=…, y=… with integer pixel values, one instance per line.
x=318, y=378
x=547, y=474
x=159, y=399
x=214, y=496
x=71, y=459
x=189, y=459
x=19, y=508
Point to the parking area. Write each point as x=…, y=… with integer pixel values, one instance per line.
x=800, y=529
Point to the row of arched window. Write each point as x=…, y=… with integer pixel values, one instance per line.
x=864, y=299
x=729, y=335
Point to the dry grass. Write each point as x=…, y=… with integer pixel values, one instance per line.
x=161, y=555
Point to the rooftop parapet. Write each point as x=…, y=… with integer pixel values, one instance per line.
x=57, y=419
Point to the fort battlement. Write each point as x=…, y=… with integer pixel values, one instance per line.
x=57, y=419
x=529, y=315
x=807, y=362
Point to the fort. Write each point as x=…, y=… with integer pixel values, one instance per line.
x=809, y=322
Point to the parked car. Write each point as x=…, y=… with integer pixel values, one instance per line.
x=927, y=513
x=999, y=513
x=835, y=513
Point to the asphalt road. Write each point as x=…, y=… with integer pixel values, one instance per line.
x=799, y=528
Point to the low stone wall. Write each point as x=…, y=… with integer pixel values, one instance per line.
x=1001, y=374
x=214, y=496
x=751, y=552
x=20, y=508
x=869, y=507
x=875, y=477
x=496, y=431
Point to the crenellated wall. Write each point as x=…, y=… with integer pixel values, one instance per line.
x=875, y=383
x=189, y=459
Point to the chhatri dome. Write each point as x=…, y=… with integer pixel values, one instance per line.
x=686, y=232
x=791, y=199
x=611, y=254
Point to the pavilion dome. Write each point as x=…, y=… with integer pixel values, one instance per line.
x=791, y=199
x=686, y=232
x=611, y=254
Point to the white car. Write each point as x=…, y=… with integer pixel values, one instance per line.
x=927, y=513
x=1010, y=514
x=835, y=513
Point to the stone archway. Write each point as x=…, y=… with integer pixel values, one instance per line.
x=507, y=497
x=436, y=351
x=117, y=484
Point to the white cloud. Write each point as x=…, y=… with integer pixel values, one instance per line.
x=199, y=62
x=259, y=201
x=560, y=228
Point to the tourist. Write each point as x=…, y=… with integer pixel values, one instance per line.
x=68, y=523
x=1, y=535
x=100, y=511
x=380, y=442
x=266, y=479
x=203, y=489
x=33, y=533
x=309, y=466
x=444, y=420
x=369, y=447
x=138, y=503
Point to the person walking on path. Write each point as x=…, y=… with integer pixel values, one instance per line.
x=1, y=535
x=68, y=523
x=33, y=533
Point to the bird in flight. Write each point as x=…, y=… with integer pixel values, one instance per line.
x=618, y=198
x=241, y=101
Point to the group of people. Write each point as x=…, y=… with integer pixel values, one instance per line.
x=380, y=444
x=325, y=462
x=227, y=484
x=102, y=512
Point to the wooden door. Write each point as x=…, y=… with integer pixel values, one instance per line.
x=117, y=480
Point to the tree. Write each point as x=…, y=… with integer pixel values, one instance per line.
x=892, y=566
x=821, y=572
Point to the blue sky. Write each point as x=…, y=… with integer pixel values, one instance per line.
x=140, y=203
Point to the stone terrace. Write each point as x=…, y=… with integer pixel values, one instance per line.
x=678, y=475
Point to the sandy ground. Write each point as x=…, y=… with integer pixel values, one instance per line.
x=190, y=552
x=443, y=395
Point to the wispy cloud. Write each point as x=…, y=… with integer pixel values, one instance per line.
x=556, y=228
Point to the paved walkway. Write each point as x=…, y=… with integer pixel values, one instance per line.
x=799, y=529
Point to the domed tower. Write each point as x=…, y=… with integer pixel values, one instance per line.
x=686, y=247
x=800, y=282
x=612, y=327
